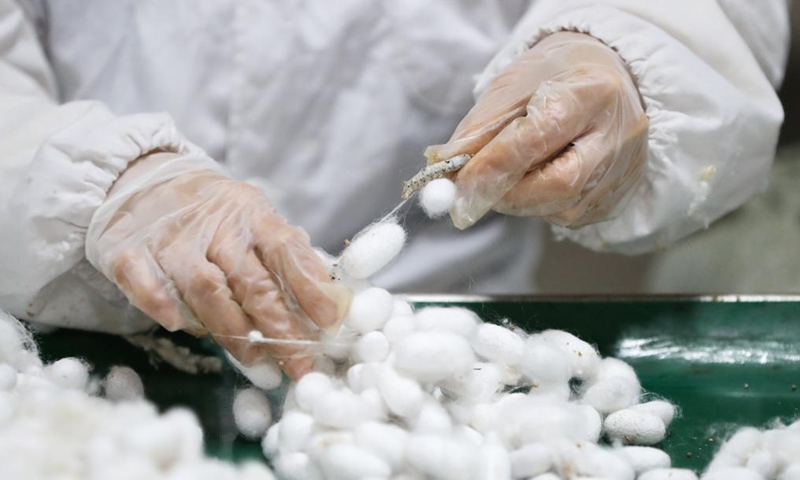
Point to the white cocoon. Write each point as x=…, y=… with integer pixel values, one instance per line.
x=433, y=418
x=593, y=461
x=543, y=363
x=668, y=474
x=764, y=463
x=338, y=409
x=266, y=374
x=643, y=459
x=68, y=373
x=441, y=457
x=8, y=377
x=583, y=357
x=742, y=444
x=384, y=440
x=372, y=347
x=369, y=310
x=792, y=472
x=295, y=430
x=401, y=307
x=479, y=384
x=251, y=413
x=632, y=426
x=592, y=423
x=374, y=408
x=493, y=461
x=373, y=249
x=661, y=409
x=546, y=476
x=437, y=197
x=531, y=460
x=433, y=356
x=402, y=395
x=349, y=462
x=612, y=394
x=398, y=327
x=732, y=473
x=297, y=466
x=498, y=344
x=457, y=320
x=327, y=438
x=271, y=441
x=310, y=388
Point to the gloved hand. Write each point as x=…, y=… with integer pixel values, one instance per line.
x=561, y=133
x=198, y=251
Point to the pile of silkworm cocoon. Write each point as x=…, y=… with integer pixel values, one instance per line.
x=55, y=425
x=439, y=394
x=753, y=454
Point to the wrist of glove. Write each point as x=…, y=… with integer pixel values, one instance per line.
x=198, y=251
x=561, y=133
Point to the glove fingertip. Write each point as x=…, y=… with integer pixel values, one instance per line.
x=331, y=317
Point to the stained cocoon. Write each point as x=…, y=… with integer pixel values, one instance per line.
x=583, y=357
x=123, y=384
x=373, y=249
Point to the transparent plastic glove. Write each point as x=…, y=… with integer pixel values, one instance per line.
x=561, y=133
x=198, y=251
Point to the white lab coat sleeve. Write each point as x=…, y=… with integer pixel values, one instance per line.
x=707, y=73
x=57, y=162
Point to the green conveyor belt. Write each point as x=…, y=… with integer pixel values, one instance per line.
x=726, y=361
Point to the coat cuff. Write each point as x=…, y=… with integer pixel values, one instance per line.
x=711, y=143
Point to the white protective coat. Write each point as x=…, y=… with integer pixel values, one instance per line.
x=328, y=106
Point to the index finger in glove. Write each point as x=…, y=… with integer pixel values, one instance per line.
x=503, y=101
x=286, y=252
x=260, y=296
